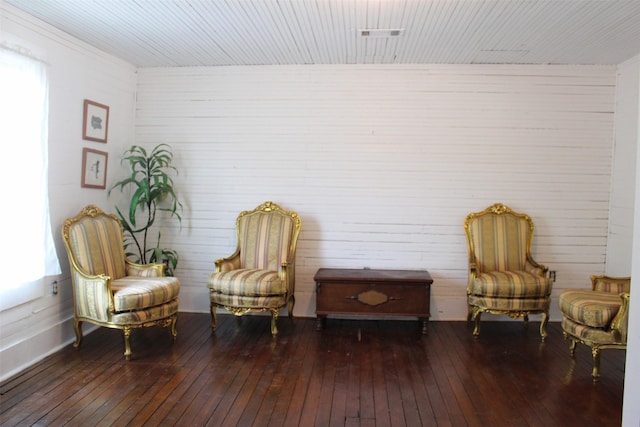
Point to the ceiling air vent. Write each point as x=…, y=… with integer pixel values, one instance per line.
x=377, y=32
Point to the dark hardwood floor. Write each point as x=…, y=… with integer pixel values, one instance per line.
x=353, y=373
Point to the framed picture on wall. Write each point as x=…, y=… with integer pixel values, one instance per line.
x=94, y=168
x=95, y=124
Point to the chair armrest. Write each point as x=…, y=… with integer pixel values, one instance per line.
x=473, y=272
x=532, y=266
x=611, y=284
x=620, y=323
x=93, y=297
x=287, y=273
x=229, y=263
x=144, y=270
x=473, y=268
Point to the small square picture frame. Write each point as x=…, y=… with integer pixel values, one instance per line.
x=94, y=168
x=95, y=124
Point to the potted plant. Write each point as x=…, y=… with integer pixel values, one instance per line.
x=151, y=185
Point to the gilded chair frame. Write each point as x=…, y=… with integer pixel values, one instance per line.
x=101, y=287
x=474, y=312
x=617, y=328
x=286, y=270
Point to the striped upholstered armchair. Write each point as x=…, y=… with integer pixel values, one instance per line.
x=108, y=289
x=503, y=277
x=260, y=275
x=599, y=317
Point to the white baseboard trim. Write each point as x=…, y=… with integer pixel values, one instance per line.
x=31, y=350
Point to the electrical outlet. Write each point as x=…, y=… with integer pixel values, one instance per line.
x=54, y=287
x=552, y=275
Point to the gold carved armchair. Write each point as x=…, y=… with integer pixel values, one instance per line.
x=108, y=289
x=503, y=277
x=260, y=275
x=598, y=317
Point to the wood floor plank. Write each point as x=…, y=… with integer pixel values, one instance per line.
x=229, y=409
x=430, y=365
x=273, y=408
x=135, y=414
x=73, y=396
x=252, y=392
x=103, y=399
x=310, y=389
x=344, y=357
x=182, y=409
x=177, y=367
x=352, y=373
x=288, y=361
x=396, y=407
x=51, y=405
x=444, y=373
x=470, y=384
x=482, y=382
x=410, y=406
x=367, y=398
x=15, y=391
x=325, y=400
x=380, y=392
x=302, y=377
x=218, y=376
x=416, y=367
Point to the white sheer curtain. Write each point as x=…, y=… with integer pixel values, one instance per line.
x=27, y=251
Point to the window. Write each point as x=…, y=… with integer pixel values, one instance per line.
x=27, y=251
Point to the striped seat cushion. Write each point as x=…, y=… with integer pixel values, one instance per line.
x=151, y=314
x=510, y=284
x=275, y=301
x=589, y=334
x=247, y=282
x=589, y=308
x=136, y=293
x=510, y=304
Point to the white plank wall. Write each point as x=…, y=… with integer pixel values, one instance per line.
x=383, y=163
x=623, y=187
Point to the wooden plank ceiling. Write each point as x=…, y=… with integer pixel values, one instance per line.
x=157, y=33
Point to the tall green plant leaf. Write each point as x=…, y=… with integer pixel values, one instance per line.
x=151, y=187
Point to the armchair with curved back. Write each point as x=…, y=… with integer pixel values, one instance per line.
x=260, y=275
x=108, y=289
x=597, y=318
x=503, y=276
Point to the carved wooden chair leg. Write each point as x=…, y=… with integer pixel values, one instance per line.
x=595, y=352
x=476, y=318
x=77, y=326
x=214, y=319
x=572, y=348
x=127, y=343
x=274, y=321
x=174, y=331
x=292, y=302
x=543, y=325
